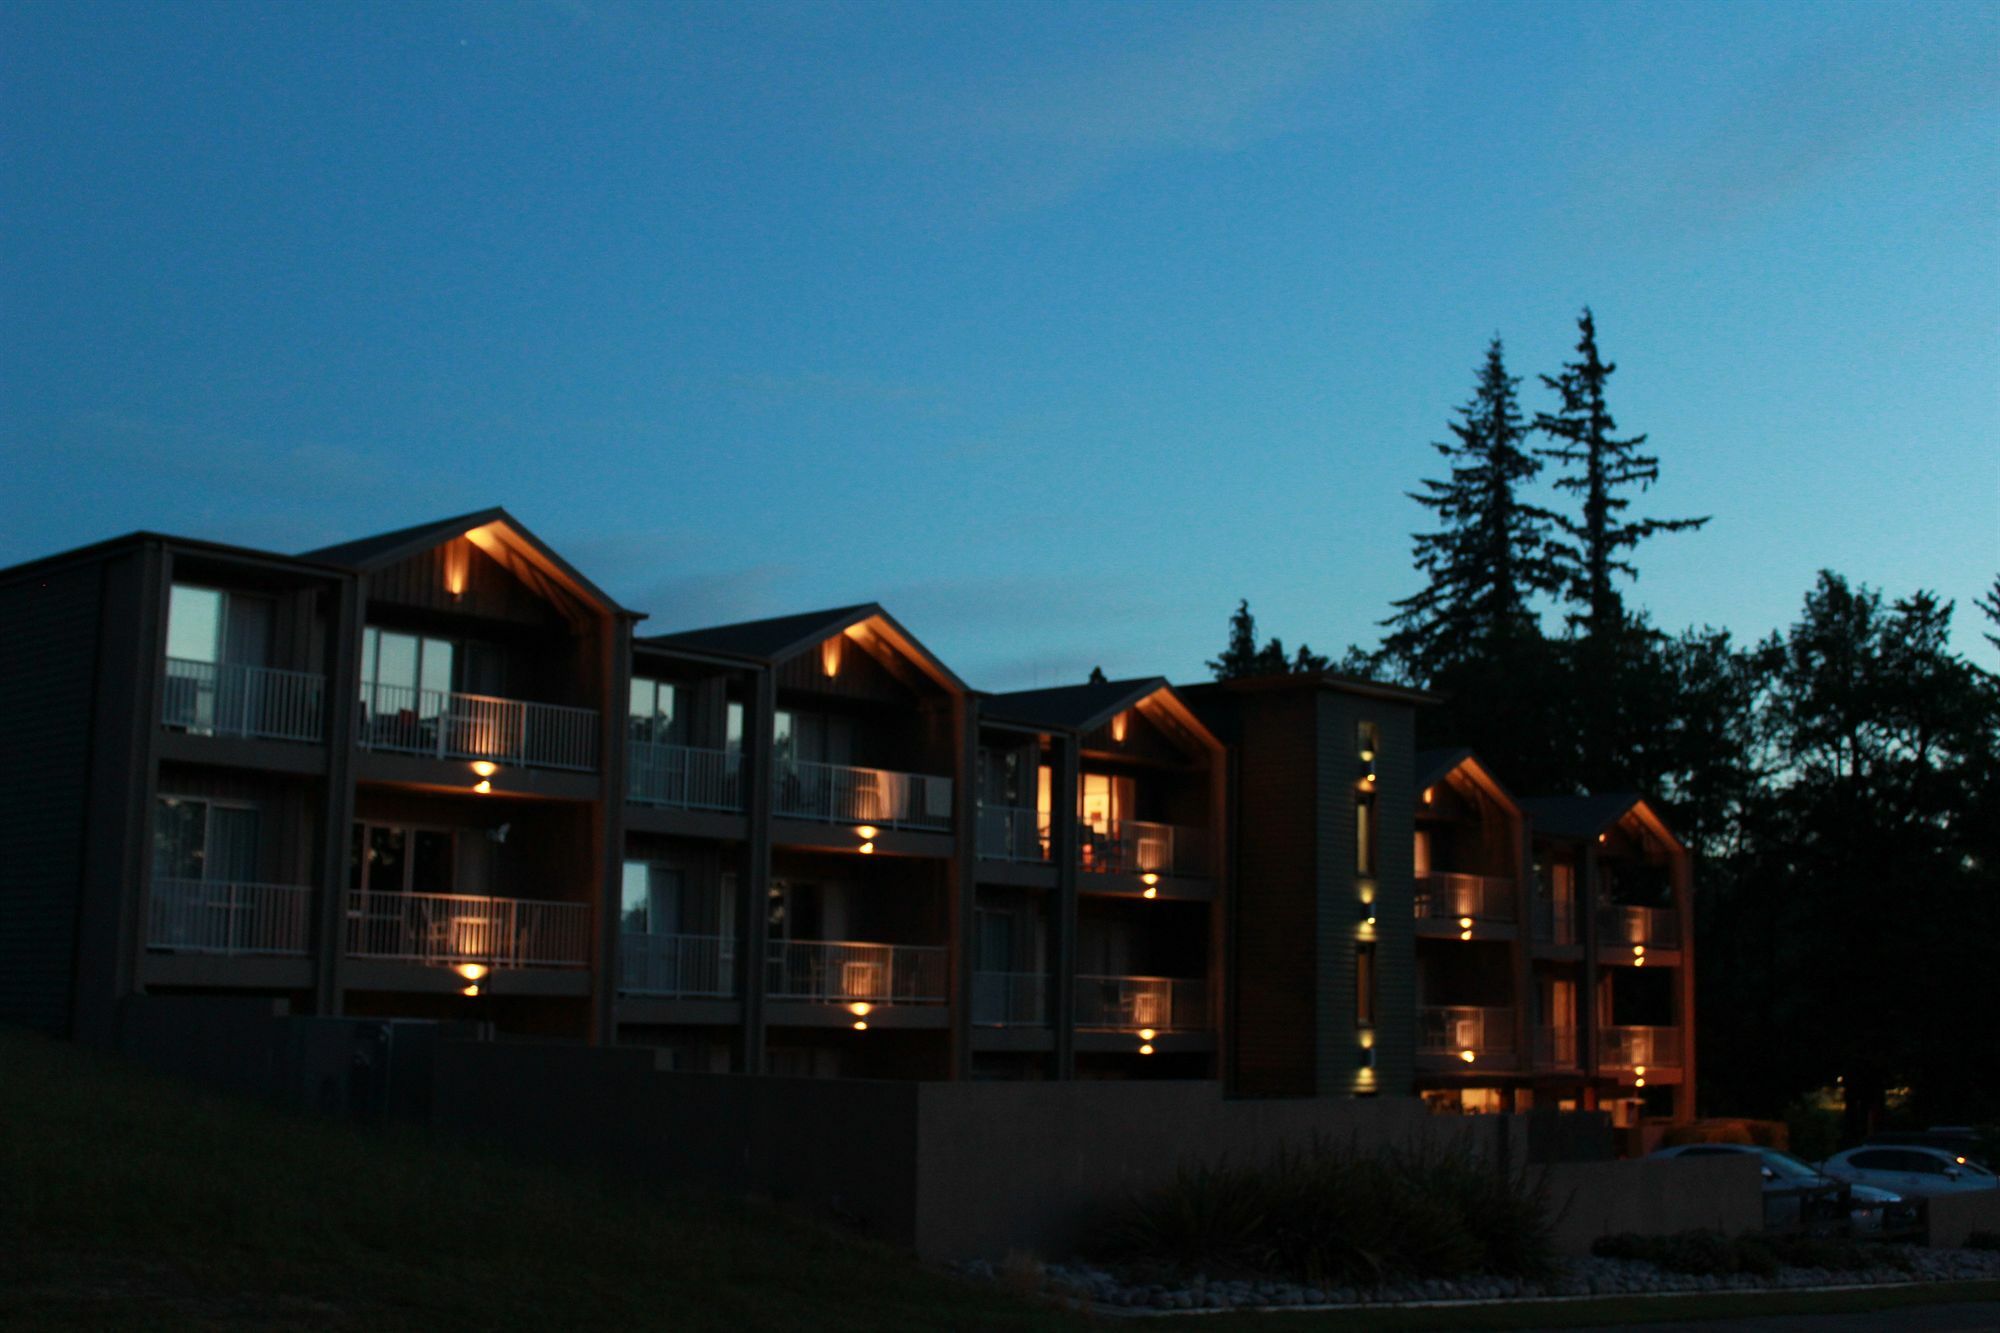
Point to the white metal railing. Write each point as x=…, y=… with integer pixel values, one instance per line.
x=228, y=917
x=677, y=965
x=1627, y=1047
x=1012, y=833
x=1456, y=1029
x=846, y=971
x=1137, y=846
x=475, y=726
x=1166, y=1004
x=452, y=928
x=1555, y=1048
x=683, y=776
x=1555, y=923
x=224, y=699
x=842, y=794
x=1654, y=927
x=1448, y=897
x=1010, y=999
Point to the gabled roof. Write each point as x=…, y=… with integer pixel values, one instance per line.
x=496, y=525
x=779, y=638
x=1073, y=707
x=1588, y=816
x=1433, y=766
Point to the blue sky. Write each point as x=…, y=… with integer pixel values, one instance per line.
x=1054, y=328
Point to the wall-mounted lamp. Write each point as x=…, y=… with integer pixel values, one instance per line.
x=1146, y=1048
x=457, y=567
x=829, y=655
x=485, y=768
x=1640, y=1070
x=866, y=831
x=1119, y=723
x=472, y=971
x=1429, y=792
x=1467, y=1055
x=860, y=1026
x=1146, y=1034
x=1638, y=1082
x=1150, y=892
x=472, y=990
x=860, y=1008
x=482, y=786
x=866, y=849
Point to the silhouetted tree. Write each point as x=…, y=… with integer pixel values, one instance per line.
x=1097, y=676
x=1600, y=467
x=1990, y=604
x=1242, y=656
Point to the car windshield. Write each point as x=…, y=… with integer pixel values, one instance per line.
x=1784, y=1164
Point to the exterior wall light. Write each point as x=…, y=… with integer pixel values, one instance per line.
x=472, y=990
x=1146, y=1034
x=1149, y=878
x=1151, y=892
x=472, y=971
x=1146, y=1048
x=860, y=1008
x=1429, y=792
x=866, y=831
x=860, y=1026
x=1640, y=1070
x=482, y=786
x=1119, y=723
x=866, y=849
x=485, y=768
x=1467, y=1055
x=829, y=656
x=1638, y=1082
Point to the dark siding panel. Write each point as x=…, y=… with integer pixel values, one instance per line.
x=859, y=676
x=1275, y=889
x=46, y=677
x=491, y=591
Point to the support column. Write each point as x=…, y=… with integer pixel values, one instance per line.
x=753, y=919
x=1064, y=781
x=614, y=676
x=1590, y=1014
x=961, y=882
x=346, y=615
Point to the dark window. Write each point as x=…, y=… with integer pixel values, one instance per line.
x=1364, y=833
x=1364, y=985
x=1877, y=1161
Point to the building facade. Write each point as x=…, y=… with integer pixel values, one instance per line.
x=439, y=774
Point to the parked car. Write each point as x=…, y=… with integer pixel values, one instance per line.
x=1797, y=1195
x=1914, y=1171
x=1958, y=1140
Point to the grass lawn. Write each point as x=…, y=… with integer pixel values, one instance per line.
x=131, y=1201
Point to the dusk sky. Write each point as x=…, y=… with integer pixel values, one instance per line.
x=1054, y=328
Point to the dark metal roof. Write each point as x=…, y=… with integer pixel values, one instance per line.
x=1073, y=707
x=1578, y=816
x=769, y=640
x=1432, y=765
x=387, y=548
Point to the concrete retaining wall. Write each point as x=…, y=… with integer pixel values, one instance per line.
x=1595, y=1199
x=1950, y=1218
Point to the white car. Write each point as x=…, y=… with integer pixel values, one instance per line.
x=1912, y=1171
x=1797, y=1195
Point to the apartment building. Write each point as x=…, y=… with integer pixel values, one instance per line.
x=439, y=774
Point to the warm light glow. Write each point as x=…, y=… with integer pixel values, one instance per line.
x=867, y=849
x=482, y=786
x=472, y=971
x=866, y=831
x=1367, y=1040
x=1118, y=725
x=1465, y=934
x=470, y=990
x=1150, y=892
x=1146, y=1049
x=860, y=1008
x=1428, y=793
x=1149, y=878
x=457, y=567
x=1368, y=920
x=1638, y=1082
x=1467, y=1056
x=829, y=655
x=1368, y=755
x=860, y=1026
x=1959, y=1160
x=1465, y=923
x=1640, y=1070
x=1146, y=1034
x=485, y=768
x=1639, y=961
x=1604, y=837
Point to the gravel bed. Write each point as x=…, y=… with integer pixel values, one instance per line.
x=1575, y=1277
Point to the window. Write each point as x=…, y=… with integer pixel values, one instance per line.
x=651, y=899
x=208, y=626
x=1367, y=740
x=733, y=735
x=204, y=840
x=1364, y=833
x=1106, y=800
x=655, y=710
x=387, y=858
x=405, y=672
x=812, y=738
x=1364, y=985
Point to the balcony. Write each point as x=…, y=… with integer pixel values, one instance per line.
x=1164, y=1004
x=445, y=725
x=1555, y=923
x=840, y=794
x=1638, y=1047
x=262, y=703
x=683, y=777
x=1647, y=927
x=677, y=966
x=1012, y=833
x=1137, y=847
x=220, y=917
x=849, y=972
x=1462, y=1030
x=1555, y=1048
x=1010, y=999
x=447, y=929
x=1450, y=897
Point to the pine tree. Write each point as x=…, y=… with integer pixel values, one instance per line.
x=1602, y=466
x=1242, y=657
x=1097, y=677
x=1490, y=554
x=1990, y=604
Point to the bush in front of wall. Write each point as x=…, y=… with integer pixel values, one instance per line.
x=1333, y=1216
x=1712, y=1254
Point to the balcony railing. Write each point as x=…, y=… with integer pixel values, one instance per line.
x=677, y=965
x=1165, y=1004
x=683, y=776
x=446, y=725
x=1653, y=927
x=1456, y=1029
x=225, y=917
x=451, y=928
x=846, y=971
x=1448, y=897
x=1012, y=833
x=224, y=699
x=1555, y=1048
x=1555, y=923
x=1010, y=999
x=1629, y=1047
x=1137, y=847
x=840, y=794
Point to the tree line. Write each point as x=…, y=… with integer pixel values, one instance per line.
x=1838, y=782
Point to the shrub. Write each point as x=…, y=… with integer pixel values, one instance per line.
x=1343, y=1217
x=1710, y=1253
x=1814, y=1130
x=1982, y=1240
